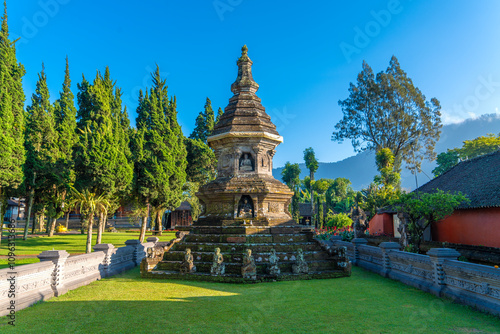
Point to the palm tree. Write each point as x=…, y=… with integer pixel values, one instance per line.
x=89, y=204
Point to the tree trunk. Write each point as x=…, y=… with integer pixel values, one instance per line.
x=313, y=221
x=105, y=222
x=30, y=205
x=35, y=217
x=66, y=222
x=42, y=220
x=1, y=215
x=143, y=228
x=52, y=226
x=99, y=228
x=158, y=223
x=88, y=248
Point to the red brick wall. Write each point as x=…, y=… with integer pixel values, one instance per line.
x=470, y=227
x=382, y=223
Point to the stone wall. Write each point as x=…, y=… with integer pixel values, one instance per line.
x=438, y=272
x=58, y=272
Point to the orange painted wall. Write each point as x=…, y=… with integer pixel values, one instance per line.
x=469, y=227
x=382, y=224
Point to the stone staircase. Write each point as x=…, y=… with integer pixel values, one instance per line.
x=233, y=242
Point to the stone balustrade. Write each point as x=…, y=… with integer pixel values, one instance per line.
x=439, y=272
x=58, y=272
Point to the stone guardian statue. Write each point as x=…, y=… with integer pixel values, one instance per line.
x=218, y=267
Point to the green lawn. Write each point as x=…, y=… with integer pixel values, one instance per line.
x=363, y=303
x=72, y=243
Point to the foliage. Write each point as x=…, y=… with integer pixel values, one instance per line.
x=338, y=220
x=424, y=209
x=311, y=162
x=189, y=195
x=470, y=149
x=201, y=162
x=205, y=123
x=61, y=228
x=388, y=111
x=290, y=175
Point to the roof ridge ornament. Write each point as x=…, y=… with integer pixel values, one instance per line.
x=244, y=82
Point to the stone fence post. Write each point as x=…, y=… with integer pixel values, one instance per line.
x=387, y=247
x=357, y=242
x=136, y=244
x=153, y=239
x=58, y=257
x=108, y=250
x=438, y=256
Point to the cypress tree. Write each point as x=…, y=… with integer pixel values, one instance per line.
x=219, y=114
x=204, y=123
x=41, y=170
x=12, y=152
x=159, y=151
x=102, y=158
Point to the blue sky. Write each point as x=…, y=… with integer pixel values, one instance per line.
x=305, y=54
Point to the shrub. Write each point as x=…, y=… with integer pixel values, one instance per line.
x=60, y=228
x=339, y=220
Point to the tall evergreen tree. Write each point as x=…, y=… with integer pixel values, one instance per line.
x=41, y=170
x=312, y=165
x=102, y=158
x=219, y=114
x=204, y=123
x=12, y=153
x=159, y=151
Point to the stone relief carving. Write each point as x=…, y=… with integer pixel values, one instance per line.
x=300, y=266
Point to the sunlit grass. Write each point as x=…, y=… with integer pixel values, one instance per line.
x=363, y=303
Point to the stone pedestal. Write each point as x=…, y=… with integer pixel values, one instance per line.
x=438, y=256
x=58, y=257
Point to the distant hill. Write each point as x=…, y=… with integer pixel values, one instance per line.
x=361, y=169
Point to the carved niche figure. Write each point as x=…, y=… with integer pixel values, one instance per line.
x=300, y=266
x=187, y=266
x=245, y=207
x=248, y=268
x=273, y=269
x=246, y=162
x=218, y=266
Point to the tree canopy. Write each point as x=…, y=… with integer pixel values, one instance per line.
x=388, y=111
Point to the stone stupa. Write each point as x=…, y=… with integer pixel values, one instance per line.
x=245, y=208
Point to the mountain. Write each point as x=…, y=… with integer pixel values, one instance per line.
x=361, y=169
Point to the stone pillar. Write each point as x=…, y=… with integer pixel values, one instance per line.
x=108, y=250
x=387, y=247
x=138, y=250
x=357, y=242
x=58, y=257
x=438, y=256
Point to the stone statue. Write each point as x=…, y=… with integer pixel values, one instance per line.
x=248, y=268
x=358, y=217
x=187, y=266
x=155, y=252
x=300, y=266
x=245, y=209
x=274, y=269
x=246, y=164
x=218, y=266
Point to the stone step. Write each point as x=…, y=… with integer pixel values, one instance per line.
x=235, y=268
x=247, y=230
x=241, y=248
x=244, y=238
x=238, y=257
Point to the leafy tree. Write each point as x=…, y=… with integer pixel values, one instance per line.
x=311, y=164
x=12, y=152
x=470, y=149
x=338, y=220
x=204, y=123
x=290, y=175
x=201, y=163
x=159, y=151
x=424, y=209
x=388, y=111
x=384, y=189
x=189, y=195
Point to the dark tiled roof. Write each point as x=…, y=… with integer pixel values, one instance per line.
x=184, y=206
x=478, y=178
x=305, y=209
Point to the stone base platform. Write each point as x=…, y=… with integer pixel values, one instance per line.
x=233, y=241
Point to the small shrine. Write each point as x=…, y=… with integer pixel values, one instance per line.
x=245, y=231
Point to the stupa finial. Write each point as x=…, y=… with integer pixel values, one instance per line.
x=244, y=54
